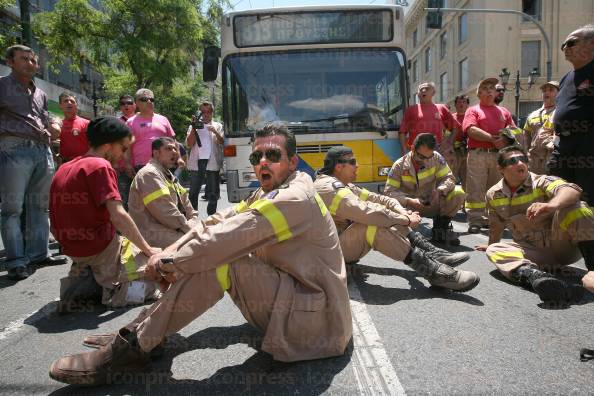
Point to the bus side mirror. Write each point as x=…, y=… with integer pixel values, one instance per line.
x=210, y=63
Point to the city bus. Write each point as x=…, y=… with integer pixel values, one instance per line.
x=334, y=75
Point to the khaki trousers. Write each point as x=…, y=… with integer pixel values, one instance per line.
x=447, y=205
x=482, y=174
x=358, y=239
x=557, y=249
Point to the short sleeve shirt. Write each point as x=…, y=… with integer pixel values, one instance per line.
x=79, y=217
x=490, y=119
x=575, y=102
x=431, y=118
x=73, y=137
x=146, y=130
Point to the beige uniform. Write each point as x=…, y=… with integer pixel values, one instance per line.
x=538, y=136
x=279, y=258
x=548, y=241
x=160, y=206
x=365, y=220
x=405, y=182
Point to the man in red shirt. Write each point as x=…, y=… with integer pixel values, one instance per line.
x=85, y=211
x=458, y=165
x=427, y=117
x=483, y=123
x=73, y=135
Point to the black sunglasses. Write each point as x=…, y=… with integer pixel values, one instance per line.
x=128, y=103
x=145, y=99
x=352, y=161
x=569, y=43
x=515, y=160
x=272, y=155
x=500, y=90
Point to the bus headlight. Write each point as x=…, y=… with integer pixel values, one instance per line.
x=249, y=176
x=383, y=170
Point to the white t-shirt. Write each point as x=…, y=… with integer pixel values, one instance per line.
x=206, y=150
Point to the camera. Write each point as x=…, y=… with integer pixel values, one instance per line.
x=197, y=122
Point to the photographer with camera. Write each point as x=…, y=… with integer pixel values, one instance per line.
x=205, y=139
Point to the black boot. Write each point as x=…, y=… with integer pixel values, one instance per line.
x=587, y=249
x=439, y=274
x=548, y=288
x=437, y=254
x=443, y=231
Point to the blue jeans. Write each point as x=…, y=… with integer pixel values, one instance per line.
x=26, y=171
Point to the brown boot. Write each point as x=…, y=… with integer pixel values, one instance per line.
x=123, y=354
x=100, y=340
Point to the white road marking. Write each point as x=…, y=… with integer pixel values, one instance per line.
x=373, y=370
x=14, y=326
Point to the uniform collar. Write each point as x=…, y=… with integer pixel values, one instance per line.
x=526, y=186
x=166, y=172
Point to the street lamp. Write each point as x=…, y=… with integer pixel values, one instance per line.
x=96, y=91
x=532, y=76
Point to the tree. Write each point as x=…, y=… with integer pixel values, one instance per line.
x=155, y=41
x=8, y=31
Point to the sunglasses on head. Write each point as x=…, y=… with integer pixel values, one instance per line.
x=145, y=99
x=127, y=103
x=272, y=155
x=569, y=43
x=352, y=161
x=515, y=160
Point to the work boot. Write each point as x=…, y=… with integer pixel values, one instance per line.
x=443, y=231
x=122, y=354
x=443, y=256
x=587, y=249
x=548, y=288
x=439, y=274
x=100, y=340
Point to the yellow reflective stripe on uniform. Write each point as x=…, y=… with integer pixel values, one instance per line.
x=275, y=217
x=364, y=194
x=555, y=184
x=408, y=178
x=128, y=260
x=155, y=195
x=321, y=204
x=523, y=199
x=370, y=235
x=456, y=191
x=393, y=182
x=574, y=215
x=516, y=131
x=426, y=173
x=475, y=205
x=343, y=192
x=223, y=276
x=501, y=256
x=443, y=172
x=499, y=202
x=241, y=207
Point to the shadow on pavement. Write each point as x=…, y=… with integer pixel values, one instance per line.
x=380, y=295
x=259, y=374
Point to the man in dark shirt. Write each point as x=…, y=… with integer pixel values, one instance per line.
x=26, y=164
x=573, y=155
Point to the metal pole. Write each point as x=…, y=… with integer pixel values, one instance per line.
x=94, y=101
x=26, y=23
x=530, y=18
x=518, y=94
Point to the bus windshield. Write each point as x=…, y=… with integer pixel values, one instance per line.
x=318, y=91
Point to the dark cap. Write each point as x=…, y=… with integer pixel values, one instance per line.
x=332, y=157
x=105, y=130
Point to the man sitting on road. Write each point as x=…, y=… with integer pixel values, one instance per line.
x=368, y=221
x=277, y=255
x=158, y=204
x=547, y=221
x=86, y=210
x=422, y=181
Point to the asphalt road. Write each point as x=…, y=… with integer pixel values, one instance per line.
x=408, y=339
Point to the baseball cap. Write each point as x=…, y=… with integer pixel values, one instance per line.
x=490, y=80
x=332, y=157
x=554, y=84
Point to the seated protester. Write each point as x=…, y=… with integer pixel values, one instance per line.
x=548, y=224
x=422, y=181
x=368, y=221
x=277, y=255
x=85, y=211
x=158, y=204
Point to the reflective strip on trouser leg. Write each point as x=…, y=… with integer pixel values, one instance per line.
x=452, y=203
x=370, y=235
x=128, y=259
x=499, y=257
x=223, y=277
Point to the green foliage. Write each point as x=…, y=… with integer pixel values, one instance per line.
x=8, y=32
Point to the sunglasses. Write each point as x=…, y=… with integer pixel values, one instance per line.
x=515, y=160
x=128, y=103
x=569, y=43
x=352, y=161
x=500, y=90
x=272, y=155
x=145, y=99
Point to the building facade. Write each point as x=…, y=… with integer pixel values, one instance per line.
x=472, y=46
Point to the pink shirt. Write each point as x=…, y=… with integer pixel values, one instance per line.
x=145, y=130
x=490, y=119
x=432, y=118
